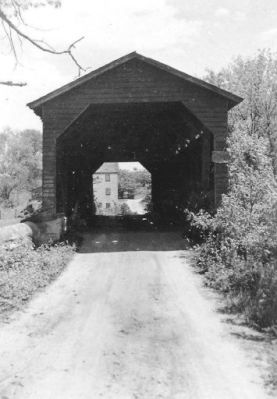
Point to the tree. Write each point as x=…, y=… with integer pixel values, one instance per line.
x=20, y=162
x=142, y=177
x=134, y=181
x=125, y=209
x=126, y=182
x=239, y=256
x=13, y=24
x=255, y=79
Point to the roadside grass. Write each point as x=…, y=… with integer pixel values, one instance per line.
x=261, y=347
x=260, y=343
x=25, y=269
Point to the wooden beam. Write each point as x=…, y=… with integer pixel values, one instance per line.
x=220, y=157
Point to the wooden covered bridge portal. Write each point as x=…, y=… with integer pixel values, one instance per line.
x=134, y=109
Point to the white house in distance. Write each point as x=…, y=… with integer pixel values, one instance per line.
x=106, y=192
x=105, y=189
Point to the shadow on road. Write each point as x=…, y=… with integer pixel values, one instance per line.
x=122, y=241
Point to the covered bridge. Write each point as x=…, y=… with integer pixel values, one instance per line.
x=134, y=109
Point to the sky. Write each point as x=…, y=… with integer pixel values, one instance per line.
x=190, y=35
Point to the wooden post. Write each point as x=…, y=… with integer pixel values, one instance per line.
x=220, y=159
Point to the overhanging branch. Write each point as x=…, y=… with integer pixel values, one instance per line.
x=38, y=43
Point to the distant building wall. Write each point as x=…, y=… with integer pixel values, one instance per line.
x=105, y=191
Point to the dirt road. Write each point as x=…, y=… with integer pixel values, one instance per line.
x=129, y=323
x=136, y=206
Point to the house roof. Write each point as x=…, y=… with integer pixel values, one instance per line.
x=108, y=167
x=232, y=98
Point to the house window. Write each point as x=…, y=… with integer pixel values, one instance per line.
x=108, y=191
x=107, y=177
x=108, y=205
x=100, y=204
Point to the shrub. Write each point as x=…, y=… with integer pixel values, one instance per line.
x=125, y=209
x=24, y=269
x=238, y=256
x=239, y=252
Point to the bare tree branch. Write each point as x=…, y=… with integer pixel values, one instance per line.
x=11, y=83
x=10, y=35
x=10, y=27
x=17, y=9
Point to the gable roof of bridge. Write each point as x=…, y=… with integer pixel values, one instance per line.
x=232, y=98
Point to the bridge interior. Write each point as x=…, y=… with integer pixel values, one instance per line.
x=165, y=137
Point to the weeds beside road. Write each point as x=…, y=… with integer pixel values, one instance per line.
x=24, y=270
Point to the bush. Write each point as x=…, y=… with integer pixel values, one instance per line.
x=24, y=269
x=239, y=252
x=125, y=209
x=238, y=257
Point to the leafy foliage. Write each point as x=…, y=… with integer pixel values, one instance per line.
x=134, y=181
x=23, y=270
x=239, y=256
x=125, y=210
x=20, y=162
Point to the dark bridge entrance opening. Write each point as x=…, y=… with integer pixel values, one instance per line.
x=169, y=141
